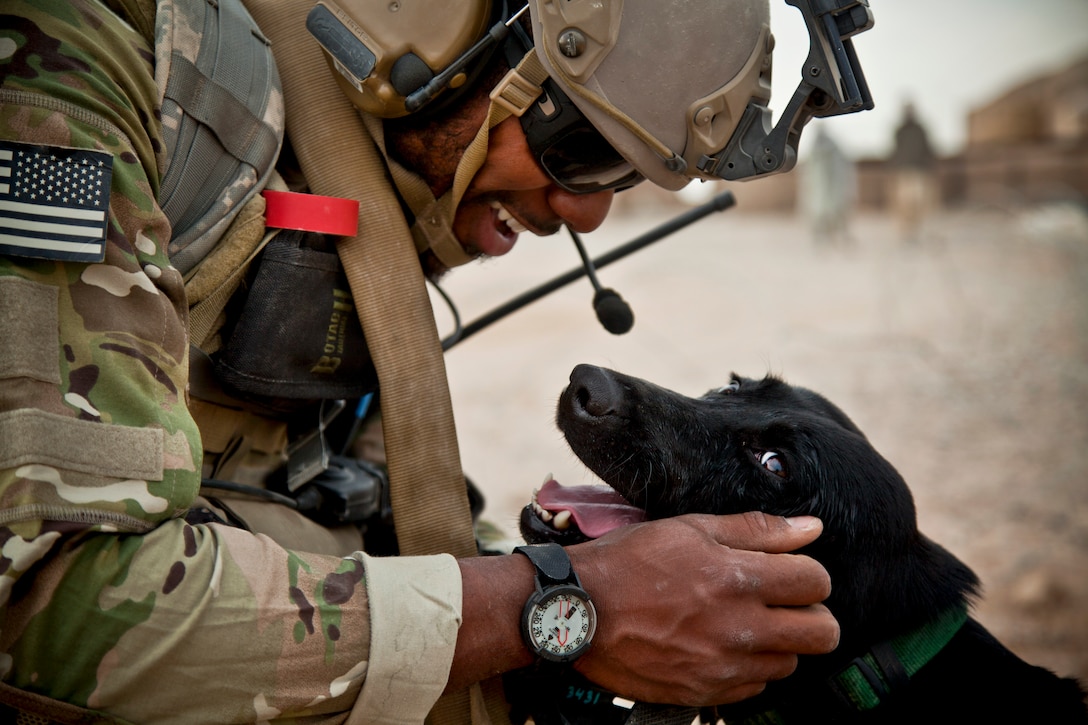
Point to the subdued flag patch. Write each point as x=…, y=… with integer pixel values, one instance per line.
x=54, y=202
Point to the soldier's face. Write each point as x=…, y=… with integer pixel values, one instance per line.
x=511, y=194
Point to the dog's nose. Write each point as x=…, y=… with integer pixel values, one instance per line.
x=595, y=391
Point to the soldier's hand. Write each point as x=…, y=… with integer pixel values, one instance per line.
x=703, y=610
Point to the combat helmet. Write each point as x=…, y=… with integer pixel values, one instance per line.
x=631, y=89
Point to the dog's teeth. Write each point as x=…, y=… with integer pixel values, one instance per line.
x=546, y=515
x=546, y=479
x=562, y=520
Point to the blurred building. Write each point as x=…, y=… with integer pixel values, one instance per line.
x=1028, y=145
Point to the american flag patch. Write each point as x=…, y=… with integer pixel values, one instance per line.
x=54, y=202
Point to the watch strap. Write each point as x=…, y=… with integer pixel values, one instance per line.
x=551, y=562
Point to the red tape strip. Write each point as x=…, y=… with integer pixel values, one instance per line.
x=311, y=213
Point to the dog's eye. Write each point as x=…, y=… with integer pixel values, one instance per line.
x=773, y=463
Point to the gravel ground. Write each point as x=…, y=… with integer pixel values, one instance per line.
x=963, y=357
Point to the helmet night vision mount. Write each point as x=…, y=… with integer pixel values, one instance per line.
x=832, y=83
x=709, y=119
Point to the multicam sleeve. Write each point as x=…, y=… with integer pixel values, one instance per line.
x=193, y=623
x=236, y=629
x=94, y=429
x=95, y=435
x=418, y=602
x=107, y=598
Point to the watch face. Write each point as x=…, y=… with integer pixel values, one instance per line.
x=561, y=623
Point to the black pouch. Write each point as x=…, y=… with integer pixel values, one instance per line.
x=297, y=335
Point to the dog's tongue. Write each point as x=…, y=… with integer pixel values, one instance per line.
x=596, y=509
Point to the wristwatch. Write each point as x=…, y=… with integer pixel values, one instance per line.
x=559, y=620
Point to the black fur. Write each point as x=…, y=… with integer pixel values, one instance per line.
x=672, y=454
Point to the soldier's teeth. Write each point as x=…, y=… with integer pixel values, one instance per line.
x=561, y=520
x=505, y=216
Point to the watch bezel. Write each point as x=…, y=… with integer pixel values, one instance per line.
x=539, y=600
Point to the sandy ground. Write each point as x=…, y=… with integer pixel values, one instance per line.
x=964, y=358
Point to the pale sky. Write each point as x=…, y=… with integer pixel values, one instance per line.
x=947, y=56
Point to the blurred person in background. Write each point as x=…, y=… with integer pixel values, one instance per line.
x=914, y=178
x=828, y=190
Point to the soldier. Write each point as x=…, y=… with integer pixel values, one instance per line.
x=827, y=189
x=914, y=166
x=182, y=355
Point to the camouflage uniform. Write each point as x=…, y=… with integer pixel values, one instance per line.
x=108, y=598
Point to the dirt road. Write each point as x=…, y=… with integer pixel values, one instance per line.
x=964, y=358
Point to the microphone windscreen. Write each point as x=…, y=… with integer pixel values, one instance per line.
x=613, y=312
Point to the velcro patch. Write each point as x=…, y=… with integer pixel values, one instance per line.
x=54, y=202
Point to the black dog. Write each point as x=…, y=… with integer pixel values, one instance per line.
x=908, y=651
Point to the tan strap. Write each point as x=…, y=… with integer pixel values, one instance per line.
x=338, y=158
x=433, y=228
x=521, y=86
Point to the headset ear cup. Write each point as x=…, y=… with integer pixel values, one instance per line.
x=382, y=53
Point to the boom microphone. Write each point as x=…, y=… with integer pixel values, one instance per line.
x=613, y=312
x=721, y=202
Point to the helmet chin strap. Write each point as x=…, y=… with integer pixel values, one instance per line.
x=433, y=227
